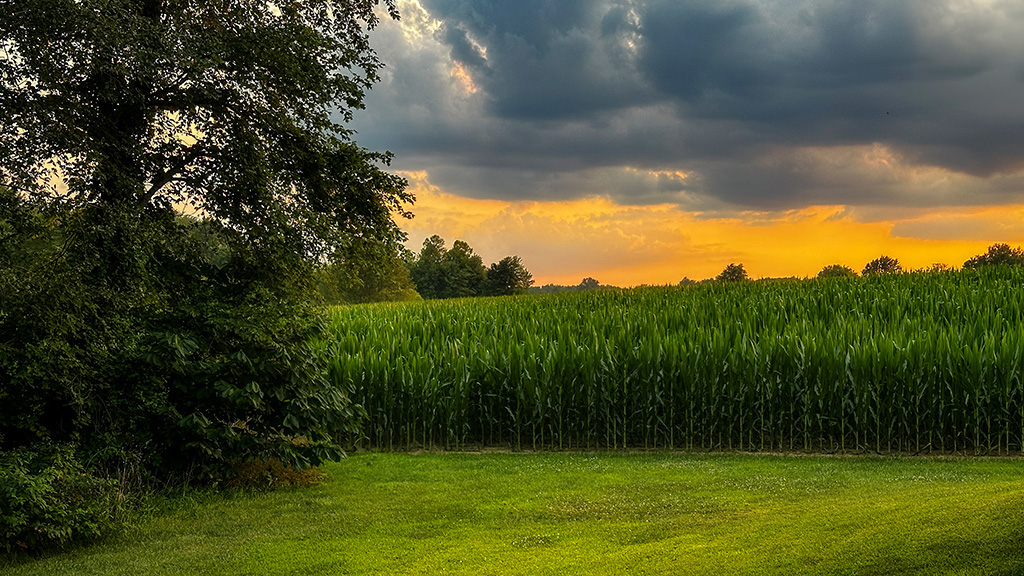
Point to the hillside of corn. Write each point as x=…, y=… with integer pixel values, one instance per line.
x=912, y=363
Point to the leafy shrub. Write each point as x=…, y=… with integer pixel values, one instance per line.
x=190, y=350
x=47, y=498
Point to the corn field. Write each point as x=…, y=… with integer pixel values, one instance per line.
x=909, y=363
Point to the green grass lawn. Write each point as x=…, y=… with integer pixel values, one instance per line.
x=608, y=513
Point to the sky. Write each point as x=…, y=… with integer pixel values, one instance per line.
x=644, y=141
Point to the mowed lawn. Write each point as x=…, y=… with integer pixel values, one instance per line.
x=602, y=513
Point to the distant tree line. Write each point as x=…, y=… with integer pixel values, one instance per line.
x=587, y=283
x=367, y=270
x=997, y=255
x=370, y=271
x=458, y=272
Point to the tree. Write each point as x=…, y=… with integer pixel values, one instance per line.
x=997, y=255
x=460, y=273
x=836, y=271
x=882, y=265
x=464, y=271
x=732, y=273
x=588, y=283
x=508, y=276
x=366, y=271
x=225, y=106
x=134, y=334
x=426, y=269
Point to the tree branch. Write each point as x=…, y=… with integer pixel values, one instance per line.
x=167, y=176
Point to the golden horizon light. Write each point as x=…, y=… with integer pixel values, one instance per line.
x=562, y=242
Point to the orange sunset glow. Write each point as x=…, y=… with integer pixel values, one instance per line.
x=564, y=242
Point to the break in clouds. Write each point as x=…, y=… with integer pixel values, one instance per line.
x=708, y=104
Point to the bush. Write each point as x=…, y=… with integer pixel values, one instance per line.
x=47, y=498
x=164, y=341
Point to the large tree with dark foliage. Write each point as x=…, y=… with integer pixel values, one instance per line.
x=427, y=269
x=126, y=331
x=882, y=265
x=997, y=255
x=732, y=273
x=508, y=276
x=836, y=271
x=230, y=106
x=464, y=271
x=367, y=271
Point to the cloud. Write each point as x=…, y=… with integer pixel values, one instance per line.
x=544, y=59
x=763, y=105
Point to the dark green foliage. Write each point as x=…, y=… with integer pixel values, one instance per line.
x=997, y=255
x=201, y=356
x=464, y=271
x=366, y=271
x=240, y=377
x=507, y=277
x=732, y=273
x=136, y=335
x=229, y=106
x=427, y=271
x=882, y=265
x=197, y=353
x=48, y=498
x=460, y=273
x=62, y=330
x=836, y=271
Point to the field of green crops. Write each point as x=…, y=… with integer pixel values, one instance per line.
x=913, y=363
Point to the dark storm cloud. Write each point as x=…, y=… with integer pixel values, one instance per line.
x=703, y=52
x=732, y=92
x=544, y=59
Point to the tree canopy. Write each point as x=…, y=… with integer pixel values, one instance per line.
x=367, y=271
x=426, y=269
x=997, y=255
x=232, y=107
x=732, y=273
x=507, y=277
x=882, y=265
x=836, y=271
x=464, y=271
x=459, y=272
